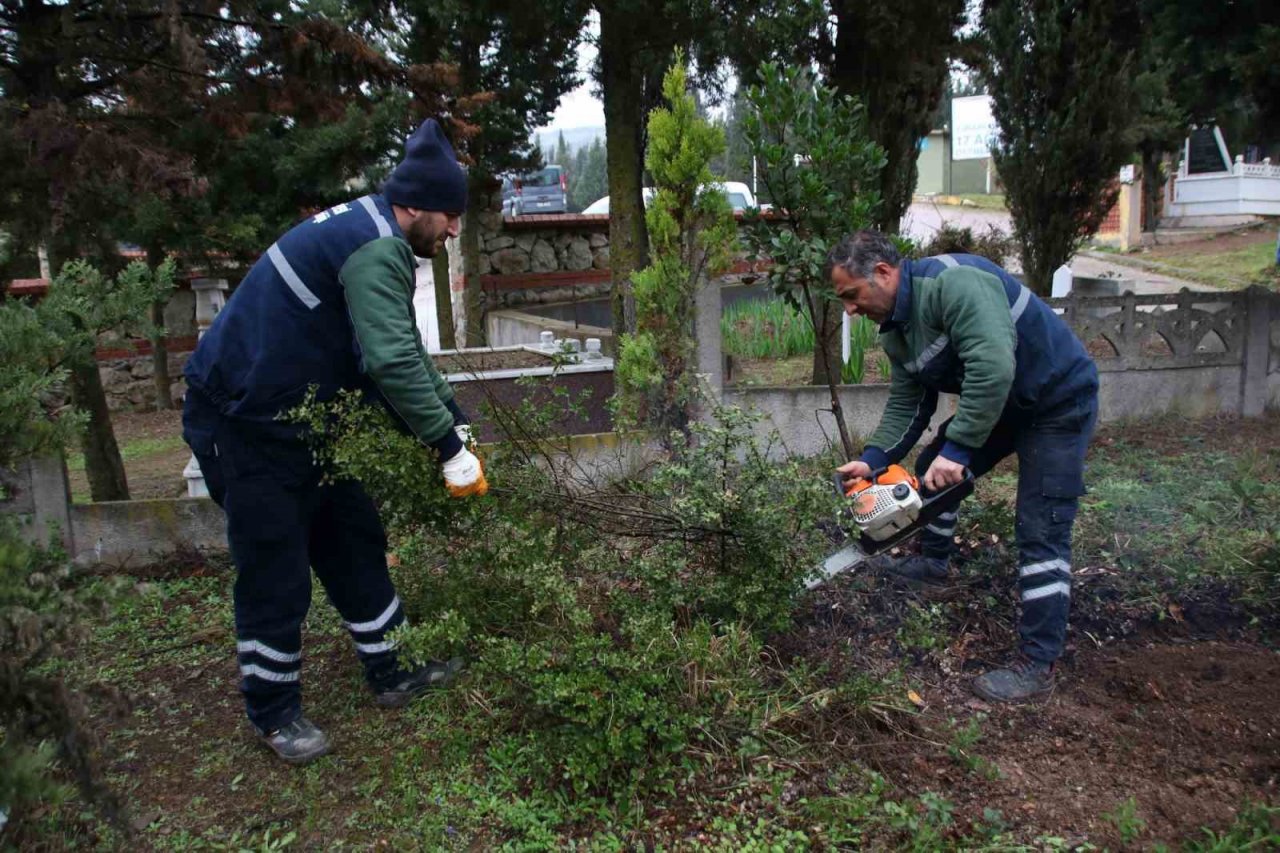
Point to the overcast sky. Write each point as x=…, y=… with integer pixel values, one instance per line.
x=580, y=108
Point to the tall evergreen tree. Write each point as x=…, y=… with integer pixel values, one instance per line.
x=1061, y=84
x=591, y=180
x=90, y=95
x=562, y=156
x=893, y=55
x=517, y=59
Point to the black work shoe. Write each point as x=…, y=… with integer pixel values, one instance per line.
x=410, y=685
x=916, y=569
x=299, y=742
x=1024, y=680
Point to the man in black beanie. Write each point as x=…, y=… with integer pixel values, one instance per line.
x=329, y=305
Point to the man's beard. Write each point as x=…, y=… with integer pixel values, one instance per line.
x=425, y=245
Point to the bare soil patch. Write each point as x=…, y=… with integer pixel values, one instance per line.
x=794, y=370
x=1189, y=731
x=474, y=362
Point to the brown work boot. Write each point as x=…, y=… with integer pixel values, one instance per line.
x=1022, y=681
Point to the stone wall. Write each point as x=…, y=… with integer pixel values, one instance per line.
x=522, y=248
x=546, y=258
x=130, y=382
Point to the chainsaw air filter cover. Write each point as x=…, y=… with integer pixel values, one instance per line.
x=884, y=507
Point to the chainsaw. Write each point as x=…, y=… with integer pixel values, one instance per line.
x=883, y=510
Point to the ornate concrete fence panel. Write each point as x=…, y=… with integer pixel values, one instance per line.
x=1187, y=329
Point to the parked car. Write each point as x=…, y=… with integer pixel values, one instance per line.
x=543, y=191
x=739, y=195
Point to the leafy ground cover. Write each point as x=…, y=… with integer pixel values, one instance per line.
x=848, y=726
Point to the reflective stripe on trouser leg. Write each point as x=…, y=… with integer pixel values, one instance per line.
x=1045, y=590
x=1051, y=454
x=266, y=529
x=349, y=553
x=372, y=637
x=938, y=539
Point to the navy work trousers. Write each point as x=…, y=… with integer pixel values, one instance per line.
x=1051, y=449
x=282, y=523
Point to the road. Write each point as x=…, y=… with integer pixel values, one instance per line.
x=924, y=219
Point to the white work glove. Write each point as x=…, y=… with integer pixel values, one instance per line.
x=464, y=475
x=463, y=431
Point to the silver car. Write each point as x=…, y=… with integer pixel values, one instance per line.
x=543, y=191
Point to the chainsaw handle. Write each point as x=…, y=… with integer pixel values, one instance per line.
x=926, y=495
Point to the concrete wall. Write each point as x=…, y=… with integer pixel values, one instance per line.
x=37, y=494
x=969, y=176
x=138, y=532
x=931, y=164
x=1191, y=391
x=1241, y=375
x=802, y=414
x=509, y=327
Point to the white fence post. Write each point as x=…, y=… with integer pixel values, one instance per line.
x=211, y=297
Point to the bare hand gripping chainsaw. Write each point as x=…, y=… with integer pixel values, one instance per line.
x=884, y=510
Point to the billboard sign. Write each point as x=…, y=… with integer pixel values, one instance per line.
x=973, y=128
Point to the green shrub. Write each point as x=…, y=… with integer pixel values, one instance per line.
x=42, y=717
x=993, y=244
x=610, y=631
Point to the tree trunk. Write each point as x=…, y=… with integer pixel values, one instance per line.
x=160, y=358
x=825, y=316
x=623, y=91
x=444, y=299
x=102, y=462
x=826, y=352
x=159, y=347
x=1152, y=187
x=894, y=58
x=469, y=68
x=473, y=294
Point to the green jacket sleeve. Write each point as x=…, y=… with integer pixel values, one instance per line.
x=379, y=283
x=975, y=316
x=905, y=417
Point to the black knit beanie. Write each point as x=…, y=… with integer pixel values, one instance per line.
x=429, y=177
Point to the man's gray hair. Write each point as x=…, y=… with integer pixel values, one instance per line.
x=859, y=252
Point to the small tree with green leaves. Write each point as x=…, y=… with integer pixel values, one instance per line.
x=818, y=164
x=692, y=231
x=81, y=305
x=41, y=716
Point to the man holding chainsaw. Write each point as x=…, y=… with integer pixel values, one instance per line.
x=328, y=306
x=960, y=324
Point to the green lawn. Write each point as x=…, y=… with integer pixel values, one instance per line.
x=982, y=201
x=136, y=449
x=1231, y=268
